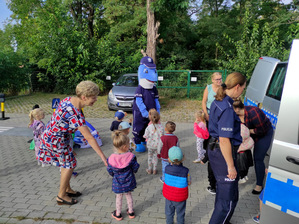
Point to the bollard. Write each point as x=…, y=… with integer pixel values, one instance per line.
x=2, y=100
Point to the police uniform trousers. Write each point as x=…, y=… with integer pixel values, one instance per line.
x=227, y=192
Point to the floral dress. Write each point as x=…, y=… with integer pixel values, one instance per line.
x=56, y=142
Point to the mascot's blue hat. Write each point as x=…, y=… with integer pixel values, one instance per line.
x=147, y=69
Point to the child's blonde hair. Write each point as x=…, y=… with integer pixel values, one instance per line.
x=119, y=139
x=35, y=114
x=200, y=114
x=154, y=116
x=170, y=126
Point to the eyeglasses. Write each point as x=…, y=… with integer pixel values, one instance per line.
x=218, y=79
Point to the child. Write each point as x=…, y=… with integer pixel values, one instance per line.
x=119, y=116
x=244, y=156
x=38, y=127
x=124, y=127
x=201, y=132
x=168, y=140
x=121, y=166
x=175, y=187
x=153, y=134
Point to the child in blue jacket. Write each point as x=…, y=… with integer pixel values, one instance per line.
x=121, y=166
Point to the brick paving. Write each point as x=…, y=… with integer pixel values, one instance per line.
x=28, y=191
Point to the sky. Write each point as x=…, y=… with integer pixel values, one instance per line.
x=5, y=12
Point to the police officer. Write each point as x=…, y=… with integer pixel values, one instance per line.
x=224, y=127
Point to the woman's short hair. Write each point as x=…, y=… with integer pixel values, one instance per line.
x=87, y=88
x=233, y=79
x=215, y=74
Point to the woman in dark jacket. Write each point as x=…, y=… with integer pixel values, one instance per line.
x=261, y=131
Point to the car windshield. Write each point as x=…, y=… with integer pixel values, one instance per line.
x=127, y=81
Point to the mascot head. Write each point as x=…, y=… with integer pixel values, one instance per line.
x=147, y=73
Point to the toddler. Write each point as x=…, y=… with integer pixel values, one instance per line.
x=175, y=187
x=124, y=127
x=38, y=127
x=153, y=134
x=168, y=140
x=244, y=156
x=201, y=132
x=121, y=166
x=119, y=116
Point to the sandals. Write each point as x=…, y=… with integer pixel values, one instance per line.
x=77, y=194
x=64, y=202
x=148, y=171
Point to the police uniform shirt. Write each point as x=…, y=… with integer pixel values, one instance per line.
x=224, y=122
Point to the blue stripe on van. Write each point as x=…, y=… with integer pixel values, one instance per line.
x=271, y=116
x=249, y=102
x=282, y=194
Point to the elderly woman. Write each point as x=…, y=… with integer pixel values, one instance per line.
x=210, y=92
x=56, y=141
x=261, y=131
x=224, y=128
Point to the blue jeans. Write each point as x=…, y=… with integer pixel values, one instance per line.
x=260, y=149
x=164, y=164
x=171, y=207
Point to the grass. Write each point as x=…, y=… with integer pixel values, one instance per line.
x=177, y=110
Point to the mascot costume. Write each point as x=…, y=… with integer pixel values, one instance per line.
x=146, y=98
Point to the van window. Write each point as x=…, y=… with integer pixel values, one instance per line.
x=276, y=84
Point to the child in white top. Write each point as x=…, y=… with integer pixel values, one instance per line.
x=153, y=134
x=37, y=126
x=201, y=133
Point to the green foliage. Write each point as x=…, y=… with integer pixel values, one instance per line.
x=254, y=43
x=65, y=41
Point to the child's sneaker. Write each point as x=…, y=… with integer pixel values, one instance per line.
x=242, y=181
x=256, y=219
x=211, y=190
x=117, y=217
x=197, y=161
x=131, y=215
x=148, y=171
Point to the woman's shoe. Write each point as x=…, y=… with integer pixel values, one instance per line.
x=77, y=194
x=64, y=202
x=256, y=192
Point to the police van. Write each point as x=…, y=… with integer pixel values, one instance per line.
x=265, y=86
x=281, y=192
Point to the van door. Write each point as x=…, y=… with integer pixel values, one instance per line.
x=259, y=81
x=271, y=102
x=281, y=192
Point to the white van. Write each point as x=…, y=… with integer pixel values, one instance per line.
x=265, y=86
x=281, y=192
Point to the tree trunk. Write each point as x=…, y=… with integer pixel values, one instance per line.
x=152, y=31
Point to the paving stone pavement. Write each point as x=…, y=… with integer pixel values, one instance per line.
x=28, y=191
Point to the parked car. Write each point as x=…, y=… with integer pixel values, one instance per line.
x=121, y=95
x=281, y=192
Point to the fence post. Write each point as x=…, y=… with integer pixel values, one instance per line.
x=188, y=84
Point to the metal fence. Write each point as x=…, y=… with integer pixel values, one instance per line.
x=192, y=82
